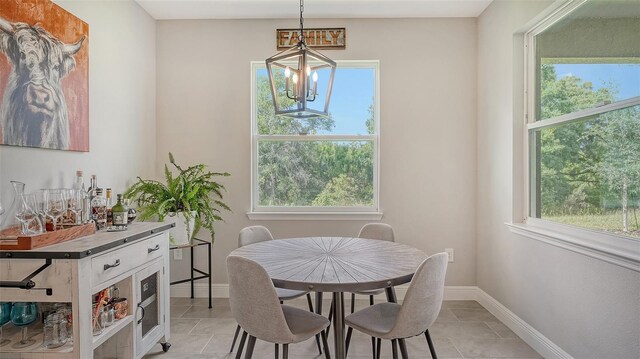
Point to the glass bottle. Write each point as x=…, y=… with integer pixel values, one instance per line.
x=132, y=213
x=83, y=197
x=22, y=217
x=55, y=330
x=109, y=206
x=99, y=209
x=93, y=185
x=120, y=213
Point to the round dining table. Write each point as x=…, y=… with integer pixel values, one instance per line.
x=336, y=265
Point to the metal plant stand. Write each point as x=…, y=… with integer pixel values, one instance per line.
x=196, y=242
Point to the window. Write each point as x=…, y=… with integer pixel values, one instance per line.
x=320, y=165
x=584, y=118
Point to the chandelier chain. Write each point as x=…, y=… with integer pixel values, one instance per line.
x=301, y=37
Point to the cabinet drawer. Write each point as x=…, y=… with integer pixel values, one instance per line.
x=124, y=259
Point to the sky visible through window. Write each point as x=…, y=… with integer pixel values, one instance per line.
x=624, y=77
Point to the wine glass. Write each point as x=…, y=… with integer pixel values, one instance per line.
x=55, y=205
x=5, y=317
x=74, y=202
x=27, y=214
x=23, y=314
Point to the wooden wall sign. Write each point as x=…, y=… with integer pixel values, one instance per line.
x=320, y=38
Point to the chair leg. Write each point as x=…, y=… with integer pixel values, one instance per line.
x=346, y=348
x=432, y=349
x=378, y=348
x=241, y=345
x=327, y=352
x=310, y=303
x=394, y=348
x=277, y=356
x=353, y=302
x=235, y=337
x=403, y=351
x=370, y=300
x=330, y=317
x=250, y=345
x=285, y=351
x=373, y=347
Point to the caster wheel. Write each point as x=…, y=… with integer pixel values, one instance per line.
x=165, y=346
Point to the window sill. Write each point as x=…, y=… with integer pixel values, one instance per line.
x=314, y=216
x=621, y=251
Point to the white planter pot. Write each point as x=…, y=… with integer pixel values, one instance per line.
x=181, y=234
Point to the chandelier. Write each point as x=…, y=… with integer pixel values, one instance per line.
x=300, y=64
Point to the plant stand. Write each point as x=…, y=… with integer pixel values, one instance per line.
x=196, y=242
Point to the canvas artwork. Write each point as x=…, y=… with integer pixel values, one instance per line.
x=44, y=76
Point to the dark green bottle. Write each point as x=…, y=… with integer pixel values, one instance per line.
x=119, y=213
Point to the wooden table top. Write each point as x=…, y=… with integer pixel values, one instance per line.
x=334, y=264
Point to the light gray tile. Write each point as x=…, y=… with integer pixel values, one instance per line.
x=502, y=330
x=446, y=315
x=494, y=348
x=471, y=304
x=215, y=326
x=417, y=347
x=205, y=312
x=182, y=326
x=189, y=343
x=474, y=315
x=220, y=344
x=178, y=310
x=462, y=330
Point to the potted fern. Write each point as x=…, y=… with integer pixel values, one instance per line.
x=192, y=196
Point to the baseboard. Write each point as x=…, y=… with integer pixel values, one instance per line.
x=222, y=291
x=529, y=334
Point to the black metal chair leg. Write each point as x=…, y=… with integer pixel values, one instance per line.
x=394, y=348
x=235, y=337
x=378, y=349
x=370, y=300
x=250, y=346
x=327, y=352
x=310, y=303
x=403, y=350
x=432, y=348
x=353, y=302
x=277, y=352
x=346, y=347
x=285, y=351
x=373, y=347
x=241, y=345
x=330, y=317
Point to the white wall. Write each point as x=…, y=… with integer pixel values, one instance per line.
x=122, y=86
x=428, y=120
x=591, y=309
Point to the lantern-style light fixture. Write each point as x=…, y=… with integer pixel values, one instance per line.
x=301, y=65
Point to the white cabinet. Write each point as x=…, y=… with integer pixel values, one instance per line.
x=136, y=261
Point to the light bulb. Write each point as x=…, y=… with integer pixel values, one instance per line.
x=295, y=78
x=287, y=72
x=308, y=70
x=315, y=76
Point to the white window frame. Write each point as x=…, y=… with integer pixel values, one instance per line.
x=309, y=212
x=612, y=248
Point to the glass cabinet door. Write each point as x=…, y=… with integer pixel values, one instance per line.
x=149, y=312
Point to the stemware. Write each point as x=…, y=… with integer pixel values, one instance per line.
x=74, y=202
x=23, y=314
x=5, y=317
x=55, y=205
x=28, y=216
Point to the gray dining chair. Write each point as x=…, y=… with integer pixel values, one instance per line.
x=256, y=234
x=420, y=308
x=256, y=307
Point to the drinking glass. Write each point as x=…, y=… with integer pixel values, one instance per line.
x=23, y=314
x=74, y=202
x=5, y=317
x=27, y=214
x=55, y=205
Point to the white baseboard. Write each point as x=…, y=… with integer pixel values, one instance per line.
x=529, y=334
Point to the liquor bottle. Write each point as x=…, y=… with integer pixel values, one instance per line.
x=109, y=205
x=92, y=187
x=120, y=213
x=132, y=211
x=84, y=198
x=99, y=209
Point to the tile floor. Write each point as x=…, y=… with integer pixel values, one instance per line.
x=464, y=329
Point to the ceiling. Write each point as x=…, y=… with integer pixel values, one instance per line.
x=280, y=9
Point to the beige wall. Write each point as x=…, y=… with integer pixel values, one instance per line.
x=428, y=124
x=122, y=106
x=586, y=306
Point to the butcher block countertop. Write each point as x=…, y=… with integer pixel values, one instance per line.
x=90, y=245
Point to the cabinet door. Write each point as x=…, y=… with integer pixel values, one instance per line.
x=149, y=318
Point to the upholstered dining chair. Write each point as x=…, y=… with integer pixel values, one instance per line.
x=420, y=308
x=256, y=307
x=256, y=234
